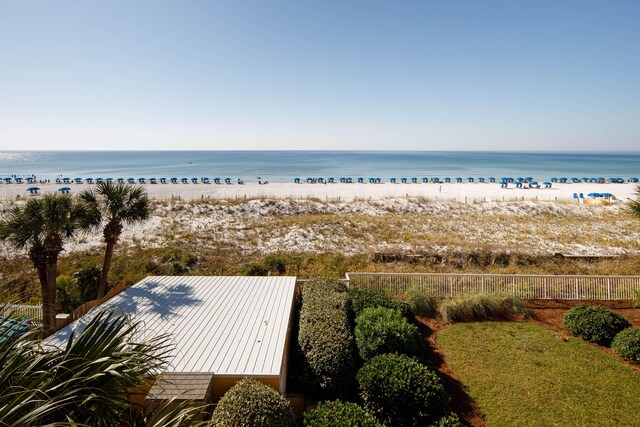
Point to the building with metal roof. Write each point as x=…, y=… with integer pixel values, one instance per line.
x=233, y=327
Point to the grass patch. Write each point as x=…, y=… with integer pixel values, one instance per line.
x=522, y=374
x=468, y=308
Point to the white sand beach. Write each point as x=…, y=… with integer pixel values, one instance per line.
x=461, y=192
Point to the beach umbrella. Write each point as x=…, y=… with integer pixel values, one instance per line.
x=78, y=180
x=18, y=180
x=360, y=180
x=447, y=179
x=554, y=179
x=320, y=179
x=33, y=188
x=163, y=180
x=378, y=180
x=120, y=180
x=414, y=180
x=174, y=180
x=205, y=180
x=404, y=180
x=393, y=180
x=584, y=179
x=8, y=180
x=520, y=179
x=470, y=179
x=194, y=180
x=492, y=179
x=99, y=179
x=186, y=180
x=64, y=190
x=633, y=179
x=606, y=195
x=529, y=178
x=458, y=179
x=131, y=180
x=29, y=180
x=330, y=180
x=89, y=180
x=594, y=195
x=152, y=180
x=481, y=179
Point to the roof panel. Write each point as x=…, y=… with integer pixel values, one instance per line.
x=229, y=325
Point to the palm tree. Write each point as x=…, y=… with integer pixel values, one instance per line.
x=635, y=204
x=42, y=226
x=114, y=204
x=90, y=380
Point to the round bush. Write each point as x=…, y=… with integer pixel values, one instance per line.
x=367, y=298
x=384, y=330
x=338, y=413
x=400, y=391
x=627, y=344
x=252, y=403
x=596, y=324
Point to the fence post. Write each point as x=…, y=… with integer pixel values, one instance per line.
x=608, y=288
x=577, y=290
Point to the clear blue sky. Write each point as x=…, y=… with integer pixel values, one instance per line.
x=416, y=75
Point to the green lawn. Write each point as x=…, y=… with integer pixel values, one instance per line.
x=521, y=374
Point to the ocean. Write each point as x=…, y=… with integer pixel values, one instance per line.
x=283, y=166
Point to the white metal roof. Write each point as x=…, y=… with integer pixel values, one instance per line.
x=221, y=324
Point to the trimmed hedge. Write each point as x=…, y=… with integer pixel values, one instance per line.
x=325, y=340
x=597, y=324
x=382, y=330
x=367, y=298
x=252, y=403
x=627, y=344
x=337, y=413
x=400, y=391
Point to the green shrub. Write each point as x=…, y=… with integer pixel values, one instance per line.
x=596, y=324
x=88, y=280
x=67, y=294
x=325, y=340
x=275, y=264
x=475, y=307
x=627, y=344
x=366, y=298
x=256, y=270
x=384, y=330
x=421, y=304
x=400, y=391
x=636, y=299
x=252, y=403
x=337, y=413
x=450, y=420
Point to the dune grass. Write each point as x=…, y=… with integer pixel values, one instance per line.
x=522, y=374
x=469, y=308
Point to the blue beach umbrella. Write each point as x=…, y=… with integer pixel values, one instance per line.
x=152, y=181
x=392, y=180
x=163, y=180
x=33, y=189
x=492, y=179
x=295, y=180
x=8, y=180
x=414, y=180
x=64, y=190
x=470, y=179
x=194, y=180
x=447, y=179
x=458, y=179
x=330, y=180
x=120, y=180
x=633, y=179
x=78, y=180
x=403, y=180
x=360, y=180
x=480, y=179
x=594, y=195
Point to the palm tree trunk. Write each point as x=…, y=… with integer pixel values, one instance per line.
x=106, y=266
x=49, y=308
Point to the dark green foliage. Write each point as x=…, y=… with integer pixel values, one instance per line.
x=596, y=324
x=88, y=280
x=67, y=294
x=450, y=420
x=338, y=413
x=384, y=330
x=400, y=391
x=275, y=264
x=252, y=403
x=325, y=340
x=256, y=270
x=365, y=298
x=627, y=344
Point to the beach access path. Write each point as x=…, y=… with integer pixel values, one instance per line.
x=462, y=192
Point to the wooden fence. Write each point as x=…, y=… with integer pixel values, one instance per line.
x=522, y=286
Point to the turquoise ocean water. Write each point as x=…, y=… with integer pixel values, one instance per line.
x=283, y=166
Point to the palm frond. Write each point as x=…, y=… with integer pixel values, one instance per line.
x=634, y=205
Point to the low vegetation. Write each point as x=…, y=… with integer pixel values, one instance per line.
x=338, y=413
x=469, y=308
x=522, y=374
x=401, y=391
x=627, y=344
x=421, y=304
x=597, y=324
x=380, y=330
x=325, y=340
x=252, y=403
x=362, y=299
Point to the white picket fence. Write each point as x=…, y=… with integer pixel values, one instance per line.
x=522, y=286
x=32, y=312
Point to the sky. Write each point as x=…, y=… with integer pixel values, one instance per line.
x=335, y=75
